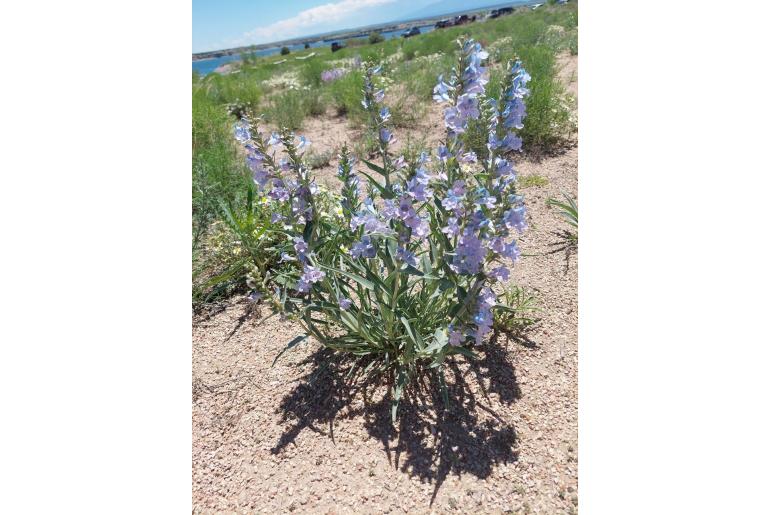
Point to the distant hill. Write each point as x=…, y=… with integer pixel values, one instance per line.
x=453, y=6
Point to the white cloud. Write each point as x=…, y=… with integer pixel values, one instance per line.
x=321, y=15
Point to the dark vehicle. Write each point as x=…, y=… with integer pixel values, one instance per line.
x=336, y=46
x=461, y=20
x=500, y=12
x=442, y=24
x=411, y=32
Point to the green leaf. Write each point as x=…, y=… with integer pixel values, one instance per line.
x=308, y=231
x=357, y=278
x=416, y=339
x=413, y=271
x=380, y=170
x=383, y=190
x=462, y=350
x=398, y=391
x=503, y=307
x=296, y=341
x=440, y=339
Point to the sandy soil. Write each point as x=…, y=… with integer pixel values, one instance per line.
x=296, y=437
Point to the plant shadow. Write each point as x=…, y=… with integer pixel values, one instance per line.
x=433, y=439
x=567, y=243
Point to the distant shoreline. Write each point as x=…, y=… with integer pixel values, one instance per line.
x=348, y=33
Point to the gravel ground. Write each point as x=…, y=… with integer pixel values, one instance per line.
x=296, y=437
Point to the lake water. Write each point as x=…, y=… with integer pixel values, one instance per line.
x=206, y=66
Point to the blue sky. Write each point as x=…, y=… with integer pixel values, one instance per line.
x=219, y=24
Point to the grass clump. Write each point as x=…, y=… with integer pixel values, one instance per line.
x=533, y=180
x=316, y=159
x=218, y=175
x=519, y=313
x=290, y=108
x=569, y=211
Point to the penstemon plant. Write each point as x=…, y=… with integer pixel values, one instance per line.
x=403, y=278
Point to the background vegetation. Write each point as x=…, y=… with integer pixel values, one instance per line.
x=288, y=89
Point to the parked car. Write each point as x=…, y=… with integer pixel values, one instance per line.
x=500, y=12
x=411, y=32
x=461, y=20
x=441, y=24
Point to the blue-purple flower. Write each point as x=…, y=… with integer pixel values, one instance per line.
x=500, y=273
x=452, y=228
x=406, y=256
x=310, y=275
x=242, y=132
x=418, y=191
x=364, y=248
x=274, y=139
x=456, y=336
x=470, y=253
x=468, y=157
x=468, y=106
x=333, y=74
x=279, y=193
x=441, y=91
x=303, y=144
x=515, y=218
x=300, y=246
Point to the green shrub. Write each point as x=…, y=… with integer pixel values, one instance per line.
x=285, y=50
x=316, y=159
x=241, y=251
x=548, y=114
x=288, y=109
x=315, y=102
x=572, y=44
x=366, y=145
x=346, y=95
x=403, y=280
x=218, y=175
x=418, y=76
x=224, y=90
x=375, y=37
x=310, y=72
